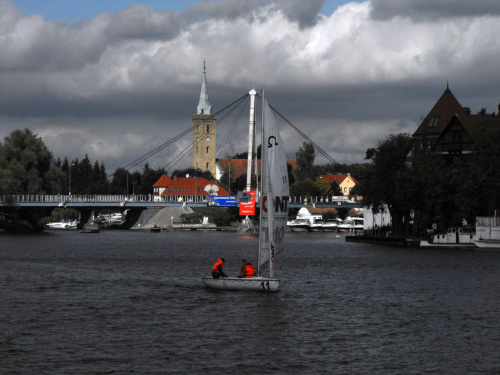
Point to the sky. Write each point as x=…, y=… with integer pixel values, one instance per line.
x=115, y=79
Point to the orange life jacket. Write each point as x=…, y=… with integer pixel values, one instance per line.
x=249, y=271
x=219, y=262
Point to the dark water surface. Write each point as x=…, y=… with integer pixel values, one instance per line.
x=127, y=302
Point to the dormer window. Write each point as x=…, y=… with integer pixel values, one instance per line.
x=434, y=121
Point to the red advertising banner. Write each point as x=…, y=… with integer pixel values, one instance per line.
x=248, y=208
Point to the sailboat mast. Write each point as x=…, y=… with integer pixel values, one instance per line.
x=251, y=128
x=262, y=167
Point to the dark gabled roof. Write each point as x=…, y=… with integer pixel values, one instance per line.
x=473, y=124
x=440, y=115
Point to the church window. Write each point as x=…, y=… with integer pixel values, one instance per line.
x=208, y=128
x=208, y=149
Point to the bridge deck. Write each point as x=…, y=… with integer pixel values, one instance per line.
x=148, y=201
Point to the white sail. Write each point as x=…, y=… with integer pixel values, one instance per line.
x=275, y=193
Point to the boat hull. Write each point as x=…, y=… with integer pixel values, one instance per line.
x=299, y=228
x=488, y=244
x=257, y=284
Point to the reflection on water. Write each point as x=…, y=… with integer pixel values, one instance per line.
x=133, y=302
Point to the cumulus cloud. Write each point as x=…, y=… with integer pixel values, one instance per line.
x=124, y=83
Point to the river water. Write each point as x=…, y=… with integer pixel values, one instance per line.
x=128, y=302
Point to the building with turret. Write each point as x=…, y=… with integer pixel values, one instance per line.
x=204, y=131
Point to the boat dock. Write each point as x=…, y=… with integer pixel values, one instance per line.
x=411, y=242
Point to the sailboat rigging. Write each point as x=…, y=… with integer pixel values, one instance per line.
x=273, y=210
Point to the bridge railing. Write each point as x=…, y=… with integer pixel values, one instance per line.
x=118, y=198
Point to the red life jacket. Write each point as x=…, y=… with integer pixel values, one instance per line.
x=219, y=262
x=249, y=271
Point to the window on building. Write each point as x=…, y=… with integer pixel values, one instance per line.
x=434, y=121
x=207, y=165
x=208, y=149
x=208, y=128
x=345, y=190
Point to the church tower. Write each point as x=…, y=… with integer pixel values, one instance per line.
x=204, y=131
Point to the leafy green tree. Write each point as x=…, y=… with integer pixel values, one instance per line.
x=385, y=182
x=305, y=162
x=31, y=166
x=305, y=188
x=148, y=179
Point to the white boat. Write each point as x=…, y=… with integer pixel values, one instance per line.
x=273, y=209
x=316, y=223
x=62, y=225
x=331, y=225
x=460, y=235
x=111, y=220
x=305, y=222
x=299, y=225
x=352, y=224
x=487, y=232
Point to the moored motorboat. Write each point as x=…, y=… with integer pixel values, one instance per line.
x=62, y=225
x=155, y=229
x=331, y=225
x=460, y=235
x=299, y=225
x=487, y=232
x=352, y=224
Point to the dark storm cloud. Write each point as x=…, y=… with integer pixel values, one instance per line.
x=421, y=10
x=119, y=85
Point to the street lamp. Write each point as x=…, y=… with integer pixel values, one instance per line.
x=195, y=183
x=70, y=178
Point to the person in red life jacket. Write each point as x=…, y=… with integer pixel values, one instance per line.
x=249, y=271
x=242, y=268
x=217, y=269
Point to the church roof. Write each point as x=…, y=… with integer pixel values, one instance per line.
x=204, y=106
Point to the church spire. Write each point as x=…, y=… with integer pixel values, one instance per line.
x=204, y=107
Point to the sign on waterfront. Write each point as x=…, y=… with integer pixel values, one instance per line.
x=221, y=201
x=248, y=208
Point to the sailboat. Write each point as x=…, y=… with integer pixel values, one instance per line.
x=275, y=193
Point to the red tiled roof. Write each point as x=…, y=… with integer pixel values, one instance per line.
x=239, y=166
x=338, y=178
x=163, y=181
x=187, y=185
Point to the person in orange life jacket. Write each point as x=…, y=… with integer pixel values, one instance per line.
x=217, y=269
x=242, y=268
x=249, y=271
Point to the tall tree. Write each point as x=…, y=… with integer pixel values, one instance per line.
x=385, y=182
x=305, y=162
x=31, y=166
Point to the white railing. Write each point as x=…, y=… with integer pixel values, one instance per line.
x=25, y=198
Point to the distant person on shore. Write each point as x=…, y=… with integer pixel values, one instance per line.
x=242, y=268
x=217, y=271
